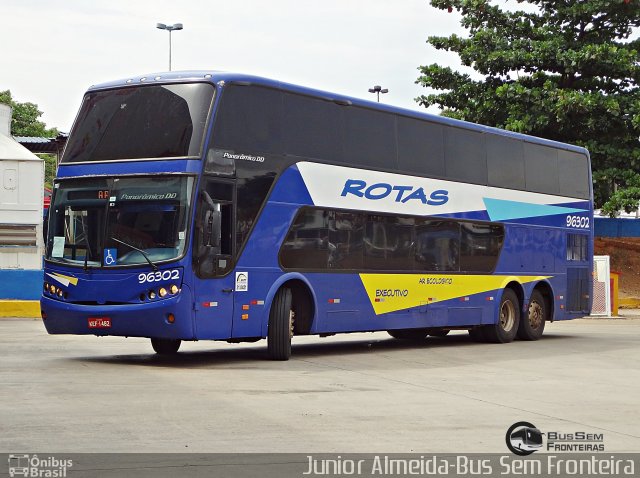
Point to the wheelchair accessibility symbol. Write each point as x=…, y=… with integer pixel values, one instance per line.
x=110, y=257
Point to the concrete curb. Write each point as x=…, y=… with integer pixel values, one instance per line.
x=629, y=303
x=19, y=308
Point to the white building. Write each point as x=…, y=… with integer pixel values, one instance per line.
x=21, y=203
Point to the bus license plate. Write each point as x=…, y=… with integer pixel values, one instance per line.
x=99, y=323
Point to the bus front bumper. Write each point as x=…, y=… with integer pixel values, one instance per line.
x=151, y=319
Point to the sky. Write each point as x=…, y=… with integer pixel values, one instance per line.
x=52, y=51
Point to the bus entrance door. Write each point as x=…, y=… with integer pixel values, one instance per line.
x=214, y=307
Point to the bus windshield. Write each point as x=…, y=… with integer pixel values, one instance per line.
x=112, y=222
x=140, y=122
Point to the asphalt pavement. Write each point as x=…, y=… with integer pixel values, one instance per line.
x=348, y=393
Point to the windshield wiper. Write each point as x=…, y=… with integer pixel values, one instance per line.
x=86, y=241
x=144, y=254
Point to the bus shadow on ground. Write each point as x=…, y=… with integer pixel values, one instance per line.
x=257, y=353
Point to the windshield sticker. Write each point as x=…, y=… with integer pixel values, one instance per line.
x=58, y=247
x=147, y=196
x=242, y=281
x=110, y=257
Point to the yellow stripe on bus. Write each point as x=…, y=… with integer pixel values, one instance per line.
x=393, y=292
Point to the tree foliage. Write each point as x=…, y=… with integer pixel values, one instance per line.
x=565, y=70
x=25, y=119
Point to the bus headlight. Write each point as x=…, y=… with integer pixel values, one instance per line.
x=162, y=292
x=152, y=294
x=174, y=289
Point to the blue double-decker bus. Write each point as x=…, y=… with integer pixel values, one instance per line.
x=208, y=205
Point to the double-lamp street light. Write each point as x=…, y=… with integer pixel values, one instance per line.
x=378, y=89
x=169, y=28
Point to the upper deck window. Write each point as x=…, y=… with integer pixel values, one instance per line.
x=141, y=122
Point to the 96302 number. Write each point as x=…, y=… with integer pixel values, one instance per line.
x=580, y=222
x=169, y=274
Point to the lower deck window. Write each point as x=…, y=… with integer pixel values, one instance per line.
x=322, y=239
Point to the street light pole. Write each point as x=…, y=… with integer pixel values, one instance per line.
x=378, y=89
x=169, y=28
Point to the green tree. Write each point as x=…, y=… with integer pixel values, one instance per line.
x=565, y=70
x=25, y=118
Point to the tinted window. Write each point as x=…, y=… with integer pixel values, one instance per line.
x=307, y=244
x=378, y=247
x=313, y=127
x=345, y=240
x=577, y=247
x=465, y=158
x=337, y=240
x=249, y=120
x=573, y=174
x=388, y=243
x=505, y=162
x=160, y=121
x=420, y=147
x=400, y=232
x=437, y=245
x=541, y=168
x=254, y=183
x=369, y=138
x=480, y=246
x=213, y=249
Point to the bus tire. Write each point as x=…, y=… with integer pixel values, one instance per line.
x=532, y=326
x=477, y=334
x=280, y=326
x=409, y=334
x=505, y=330
x=166, y=346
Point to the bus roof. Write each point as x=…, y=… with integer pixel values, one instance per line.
x=214, y=77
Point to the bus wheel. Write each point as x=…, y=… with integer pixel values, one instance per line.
x=280, y=326
x=165, y=346
x=408, y=334
x=532, y=326
x=477, y=334
x=508, y=320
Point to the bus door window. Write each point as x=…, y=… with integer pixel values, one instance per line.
x=214, y=229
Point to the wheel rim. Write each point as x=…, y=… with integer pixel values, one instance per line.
x=536, y=315
x=291, y=323
x=507, y=315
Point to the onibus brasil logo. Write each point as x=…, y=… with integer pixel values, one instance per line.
x=41, y=467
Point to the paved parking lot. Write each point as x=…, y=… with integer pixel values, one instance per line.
x=348, y=393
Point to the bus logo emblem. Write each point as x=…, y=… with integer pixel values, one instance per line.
x=523, y=438
x=242, y=281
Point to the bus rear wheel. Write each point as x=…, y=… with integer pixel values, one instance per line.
x=280, y=326
x=505, y=329
x=165, y=346
x=409, y=334
x=532, y=326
